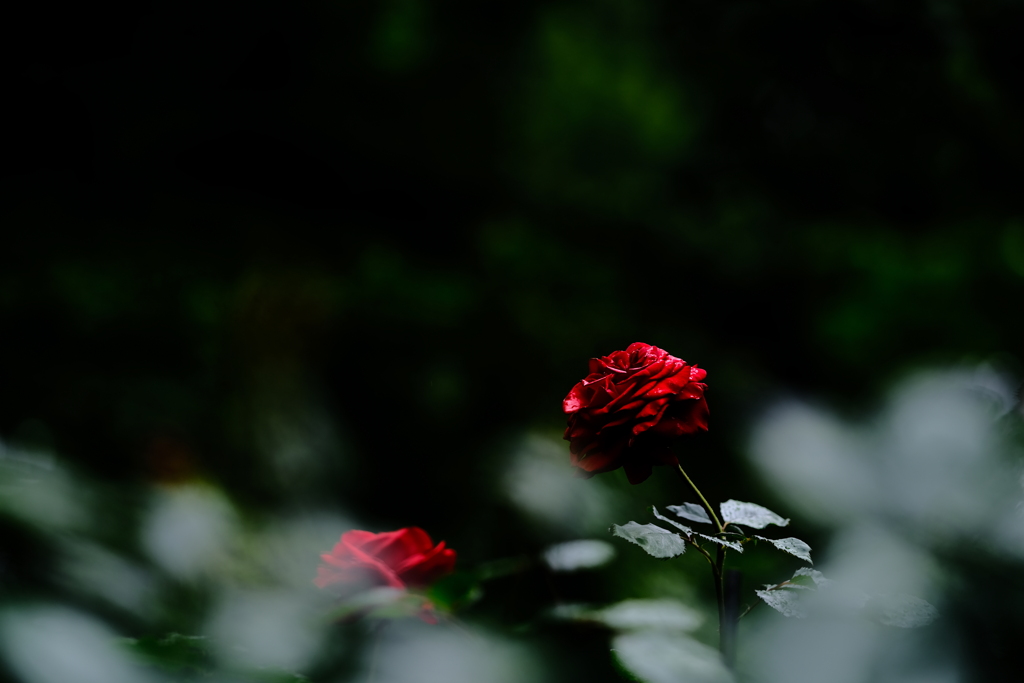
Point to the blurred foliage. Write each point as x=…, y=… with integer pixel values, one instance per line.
x=342, y=256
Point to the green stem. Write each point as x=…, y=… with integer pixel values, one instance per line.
x=703, y=552
x=720, y=592
x=725, y=643
x=703, y=500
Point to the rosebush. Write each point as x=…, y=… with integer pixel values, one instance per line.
x=629, y=408
x=405, y=558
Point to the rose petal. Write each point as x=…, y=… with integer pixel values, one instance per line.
x=599, y=460
x=392, y=558
x=393, y=547
x=637, y=472
x=424, y=569
x=629, y=407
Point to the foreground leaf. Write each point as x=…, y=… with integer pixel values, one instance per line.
x=658, y=657
x=900, y=610
x=750, y=514
x=382, y=602
x=634, y=615
x=793, y=598
x=656, y=541
x=575, y=555
x=690, y=511
x=793, y=546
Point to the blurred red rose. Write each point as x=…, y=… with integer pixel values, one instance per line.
x=399, y=559
x=628, y=409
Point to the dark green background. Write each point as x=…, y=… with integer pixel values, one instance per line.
x=417, y=220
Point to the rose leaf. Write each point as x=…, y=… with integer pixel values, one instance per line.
x=682, y=527
x=721, y=541
x=690, y=511
x=656, y=541
x=817, y=577
x=784, y=600
x=793, y=546
x=750, y=514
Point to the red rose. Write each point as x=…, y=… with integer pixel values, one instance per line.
x=626, y=411
x=400, y=559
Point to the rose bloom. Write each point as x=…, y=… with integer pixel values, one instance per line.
x=406, y=558
x=630, y=407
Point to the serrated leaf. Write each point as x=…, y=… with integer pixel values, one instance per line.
x=785, y=600
x=902, y=611
x=749, y=514
x=721, y=541
x=690, y=511
x=657, y=542
x=682, y=527
x=793, y=546
x=657, y=657
x=788, y=585
x=817, y=577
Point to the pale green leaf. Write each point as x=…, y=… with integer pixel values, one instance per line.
x=817, y=577
x=682, y=527
x=793, y=546
x=900, y=610
x=659, y=657
x=690, y=511
x=721, y=541
x=786, y=600
x=749, y=514
x=656, y=541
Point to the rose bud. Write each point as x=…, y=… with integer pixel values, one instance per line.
x=630, y=407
